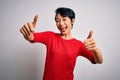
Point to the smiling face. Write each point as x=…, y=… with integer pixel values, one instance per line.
x=64, y=24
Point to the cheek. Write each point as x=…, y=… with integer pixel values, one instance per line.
x=57, y=25
x=69, y=24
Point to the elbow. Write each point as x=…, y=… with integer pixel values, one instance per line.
x=99, y=61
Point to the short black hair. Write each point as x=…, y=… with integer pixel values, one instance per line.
x=65, y=12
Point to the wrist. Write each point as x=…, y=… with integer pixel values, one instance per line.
x=95, y=50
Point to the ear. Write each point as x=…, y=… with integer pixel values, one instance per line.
x=73, y=20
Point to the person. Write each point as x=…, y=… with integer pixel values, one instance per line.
x=62, y=48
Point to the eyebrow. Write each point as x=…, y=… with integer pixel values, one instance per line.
x=56, y=18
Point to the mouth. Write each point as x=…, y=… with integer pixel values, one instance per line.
x=62, y=29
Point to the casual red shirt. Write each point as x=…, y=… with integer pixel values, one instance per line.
x=61, y=55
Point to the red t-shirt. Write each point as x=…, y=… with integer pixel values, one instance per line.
x=61, y=55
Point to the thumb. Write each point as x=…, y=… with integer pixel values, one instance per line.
x=90, y=34
x=35, y=20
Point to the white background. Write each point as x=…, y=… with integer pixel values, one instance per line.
x=21, y=60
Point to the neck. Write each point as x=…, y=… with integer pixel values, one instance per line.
x=66, y=36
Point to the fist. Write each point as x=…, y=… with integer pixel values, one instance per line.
x=90, y=43
x=28, y=29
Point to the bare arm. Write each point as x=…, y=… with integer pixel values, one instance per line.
x=98, y=56
x=91, y=45
x=28, y=29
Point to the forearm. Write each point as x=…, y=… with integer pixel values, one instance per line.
x=91, y=45
x=98, y=56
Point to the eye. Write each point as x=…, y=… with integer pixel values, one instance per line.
x=57, y=20
x=64, y=19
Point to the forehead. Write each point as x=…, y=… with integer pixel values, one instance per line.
x=58, y=15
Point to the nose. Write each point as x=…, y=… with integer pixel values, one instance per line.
x=61, y=22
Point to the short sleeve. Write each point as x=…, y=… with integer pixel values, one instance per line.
x=87, y=54
x=43, y=37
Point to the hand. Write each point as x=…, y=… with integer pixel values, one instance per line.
x=91, y=45
x=28, y=29
x=90, y=42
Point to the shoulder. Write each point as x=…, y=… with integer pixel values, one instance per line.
x=45, y=33
x=78, y=41
x=43, y=37
x=51, y=33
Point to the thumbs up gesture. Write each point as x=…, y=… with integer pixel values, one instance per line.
x=90, y=42
x=28, y=29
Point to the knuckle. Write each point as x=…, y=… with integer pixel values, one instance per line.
x=28, y=23
x=25, y=25
x=21, y=30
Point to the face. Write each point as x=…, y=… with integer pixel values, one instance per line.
x=64, y=24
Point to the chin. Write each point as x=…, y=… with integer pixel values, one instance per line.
x=63, y=33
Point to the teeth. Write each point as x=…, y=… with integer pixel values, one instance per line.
x=63, y=28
